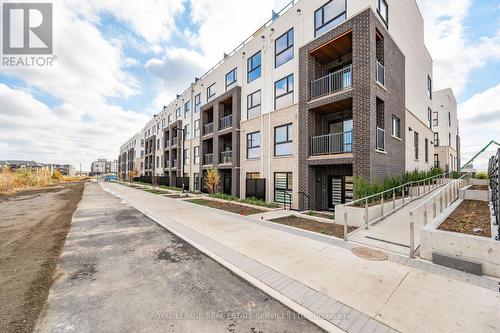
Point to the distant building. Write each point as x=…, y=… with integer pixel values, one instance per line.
x=131, y=156
x=98, y=167
x=65, y=169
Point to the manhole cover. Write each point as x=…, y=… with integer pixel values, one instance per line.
x=369, y=254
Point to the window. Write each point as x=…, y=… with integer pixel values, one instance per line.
x=230, y=78
x=283, y=182
x=396, y=127
x=429, y=117
x=211, y=91
x=157, y=161
x=187, y=108
x=158, y=143
x=283, y=48
x=383, y=11
x=449, y=119
x=435, y=119
x=415, y=144
x=254, y=63
x=329, y=15
x=426, y=147
x=253, y=175
x=253, y=104
x=186, y=156
x=436, y=139
x=283, y=140
x=163, y=123
x=253, y=145
x=429, y=87
x=186, y=132
x=158, y=127
x=449, y=139
x=196, y=155
x=196, y=183
x=436, y=160
x=283, y=92
x=196, y=128
x=169, y=118
x=178, y=113
x=197, y=103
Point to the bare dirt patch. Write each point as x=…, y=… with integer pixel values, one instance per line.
x=330, y=229
x=229, y=207
x=479, y=187
x=471, y=217
x=33, y=228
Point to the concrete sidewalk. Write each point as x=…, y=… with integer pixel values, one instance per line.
x=324, y=277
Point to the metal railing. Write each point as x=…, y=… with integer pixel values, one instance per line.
x=442, y=199
x=333, y=143
x=226, y=157
x=226, y=122
x=208, y=128
x=287, y=199
x=494, y=176
x=174, y=164
x=404, y=193
x=208, y=159
x=331, y=83
x=167, y=164
x=167, y=143
x=380, y=73
x=174, y=141
x=380, y=139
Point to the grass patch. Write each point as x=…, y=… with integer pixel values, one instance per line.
x=323, y=215
x=227, y=206
x=330, y=229
x=172, y=188
x=150, y=190
x=249, y=201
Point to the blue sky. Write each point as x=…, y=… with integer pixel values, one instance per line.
x=120, y=61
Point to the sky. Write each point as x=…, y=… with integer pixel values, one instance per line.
x=119, y=61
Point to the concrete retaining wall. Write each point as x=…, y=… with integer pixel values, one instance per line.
x=467, y=194
x=356, y=215
x=474, y=181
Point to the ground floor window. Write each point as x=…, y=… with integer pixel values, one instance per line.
x=283, y=182
x=253, y=175
x=196, y=184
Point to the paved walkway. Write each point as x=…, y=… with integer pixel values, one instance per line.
x=324, y=277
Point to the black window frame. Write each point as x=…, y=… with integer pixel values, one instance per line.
x=253, y=147
x=429, y=87
x=197, y=103
x=435, y=120
x=429, y=117
x=436, y=139
x=396, y=135
x=379, y=12
x=209, y=90
x=322, y=8
x=426, y=150
x=234, y=70
x=178, y=113
x=196, y=181
x=287, y=88
x=251, y=69
x=196, y=157
x=196, y=131
x=288, y=188
x=416, y=151
x=289, y=46
x=250, y=97
x=288, y=136
x=187, y=108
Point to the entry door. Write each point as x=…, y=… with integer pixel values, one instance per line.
x=226, y=184
x=335, y=189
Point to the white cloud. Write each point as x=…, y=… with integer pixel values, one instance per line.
x=456, y=54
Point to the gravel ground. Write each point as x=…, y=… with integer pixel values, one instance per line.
x=120, y=271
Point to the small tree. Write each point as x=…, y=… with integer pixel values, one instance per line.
x=57, y=176
x=212, y=181
x=131, y=175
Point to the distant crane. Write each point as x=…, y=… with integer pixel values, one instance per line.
x=480, y=152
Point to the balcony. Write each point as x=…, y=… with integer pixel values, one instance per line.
x=226, y=122
x=226, y=157
x=380, y=139
x=380, y=73
x=333, y=82
x=334, y=143
x=208, y=128
x=167, y=164
x=174, y=164
x=174, y=141
x=208, y=159
x=167, y=143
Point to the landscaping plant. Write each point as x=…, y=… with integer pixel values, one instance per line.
x=212, y=181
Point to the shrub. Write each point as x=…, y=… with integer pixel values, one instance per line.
x=57, y=176
x=481, y=175
x=212, y=181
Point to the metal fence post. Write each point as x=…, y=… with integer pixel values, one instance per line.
x=345, y=223
x=394, y=199
x=366, y=213
x=412, y=237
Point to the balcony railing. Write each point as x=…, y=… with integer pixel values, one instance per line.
x=331, y=83
x=226, y=122
x=209, y=159
x=226, y=157
x=334, y=143
x=174, y=165
x=167, y=143
x=380, y=139
x=174, y=141
x=380, y=73
x=167, y=164
x=208, y=128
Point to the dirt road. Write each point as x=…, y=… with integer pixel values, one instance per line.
x=33, y=227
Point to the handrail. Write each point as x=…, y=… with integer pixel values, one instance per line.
x=285, y=194
x=308, y=199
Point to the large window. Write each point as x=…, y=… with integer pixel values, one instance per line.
x=283, y=182
x=283, y=140
x=187, y=108
x=429, y=117
x=429, y=87
x=196, y=181
x=196, y=128
x=449, y=139
x=436, y=160
x=211, y=91
x=186, y=156
x=197, y=103
x=253, y=145
x=253, y=104
x=415, y=144
x=196, y=155
x=436, y=139
x=283, y=48
x=396, y=127
x=186, y=132
x=426, y=147
x=178, y=113
x=329, y=15
x=449, y=119
x=283, y=92
x=230, y=78
x=383, y=11
x=169, y=118
x=254, y=64
x=435, y=119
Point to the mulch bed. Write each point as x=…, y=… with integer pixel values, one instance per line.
x=469, y=215
x=330, y=229
x=229, y=207
x=322, y=215
x=479, y=187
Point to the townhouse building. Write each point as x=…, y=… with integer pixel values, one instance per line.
x=446, y=130
x=131, y=157
x=98, y=167
x=323, y=92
